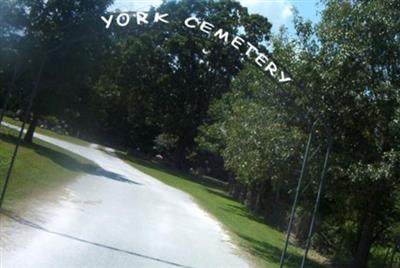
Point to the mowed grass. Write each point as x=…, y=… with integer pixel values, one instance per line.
x=39, y=168
x=260, y=242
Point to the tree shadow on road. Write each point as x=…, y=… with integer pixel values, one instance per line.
x=66, y=161
x=31, y=224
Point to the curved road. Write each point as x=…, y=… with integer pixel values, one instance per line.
x=114, y=217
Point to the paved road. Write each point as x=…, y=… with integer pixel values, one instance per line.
x=114, y=217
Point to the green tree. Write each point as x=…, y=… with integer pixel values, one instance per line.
x=346, y=72
x=66, y=39
x=360, y=44
x=252, y=135
x=165, y=82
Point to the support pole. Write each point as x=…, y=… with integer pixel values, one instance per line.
x=294, y=206
x=21, y=132
x=317, y=202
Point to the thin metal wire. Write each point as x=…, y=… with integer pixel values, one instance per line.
x=296, y=198
x=317, y=202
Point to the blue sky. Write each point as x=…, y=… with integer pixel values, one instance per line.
x=277, y=11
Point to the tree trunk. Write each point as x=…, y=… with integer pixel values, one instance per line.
x=243, y=192
x=249, y=199
x=260, y=194
x=31, y=130
x=233, y=187
x=253, y=199
x=360, y=258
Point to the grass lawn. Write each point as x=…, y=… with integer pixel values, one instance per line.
x=39, y=168
x=263, y=243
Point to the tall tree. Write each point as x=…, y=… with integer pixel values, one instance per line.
x=166, y=81
x=65, y=38
x=361, y=44
x=347, y=76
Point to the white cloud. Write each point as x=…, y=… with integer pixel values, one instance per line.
x=278, y=12
x=287, y=12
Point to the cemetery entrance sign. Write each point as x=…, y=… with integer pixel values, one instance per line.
x=210, y=31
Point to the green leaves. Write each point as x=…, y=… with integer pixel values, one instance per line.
x=250, y=134
x=347, y=75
